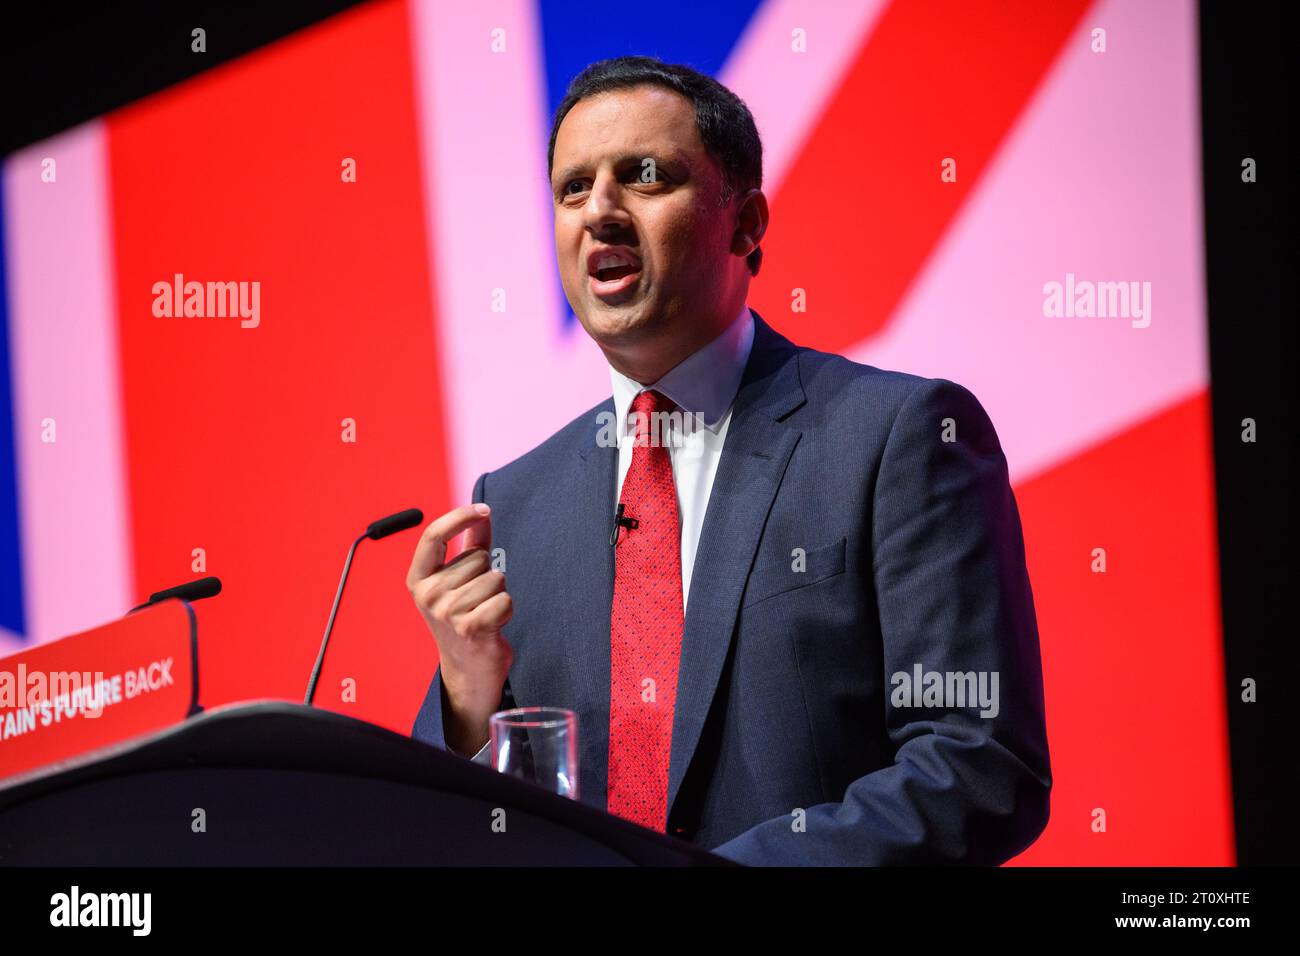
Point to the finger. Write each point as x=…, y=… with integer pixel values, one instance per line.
x=462, y=569
x=469, y=596
x=432, y=547
x=492, y=615
x=479, y=535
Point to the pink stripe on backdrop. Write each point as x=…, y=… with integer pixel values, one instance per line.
x=510, y=378
x=789, y=91
x=1100, y=177
x=73, y=506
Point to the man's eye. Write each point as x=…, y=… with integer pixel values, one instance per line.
x=650, y=177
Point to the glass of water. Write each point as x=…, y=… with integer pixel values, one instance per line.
x=539, y=744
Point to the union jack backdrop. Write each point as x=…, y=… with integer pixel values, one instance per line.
x=1007, y=196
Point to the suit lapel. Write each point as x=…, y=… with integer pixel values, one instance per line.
x=754, y=458
x=591, y=563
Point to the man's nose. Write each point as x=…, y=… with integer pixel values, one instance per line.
x=604, y=207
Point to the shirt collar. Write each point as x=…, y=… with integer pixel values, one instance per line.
x=705, y=383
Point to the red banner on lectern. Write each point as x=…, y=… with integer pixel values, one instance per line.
x=99, y=687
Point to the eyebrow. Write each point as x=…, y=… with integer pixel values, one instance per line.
x=622, y=161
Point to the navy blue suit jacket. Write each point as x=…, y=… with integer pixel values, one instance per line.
x=794, y=742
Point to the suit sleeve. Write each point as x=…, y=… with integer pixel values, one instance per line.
x=968, y=784
x=428, y=722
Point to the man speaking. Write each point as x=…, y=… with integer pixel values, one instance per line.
x=799, y=631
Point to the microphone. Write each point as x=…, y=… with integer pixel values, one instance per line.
x=189, y=591
x=374, y=531
x=394, y=523
x=620, y=522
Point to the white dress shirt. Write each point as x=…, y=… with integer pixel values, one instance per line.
x=705, y=386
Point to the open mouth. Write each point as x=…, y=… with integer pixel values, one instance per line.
x=621, y=280
x=612, y=273
x=613, y=270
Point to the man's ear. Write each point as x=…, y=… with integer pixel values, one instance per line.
x=751, y=222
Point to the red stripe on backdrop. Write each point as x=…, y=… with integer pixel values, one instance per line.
x=863, y=206
x=1133, y=657
x=234, y=435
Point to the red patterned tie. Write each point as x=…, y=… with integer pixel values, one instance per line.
x=645, y=627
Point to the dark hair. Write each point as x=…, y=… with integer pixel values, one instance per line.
x=726, y=127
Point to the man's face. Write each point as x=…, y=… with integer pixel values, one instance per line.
x=664, y=215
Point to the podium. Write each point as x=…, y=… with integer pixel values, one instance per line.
x=276, y=783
